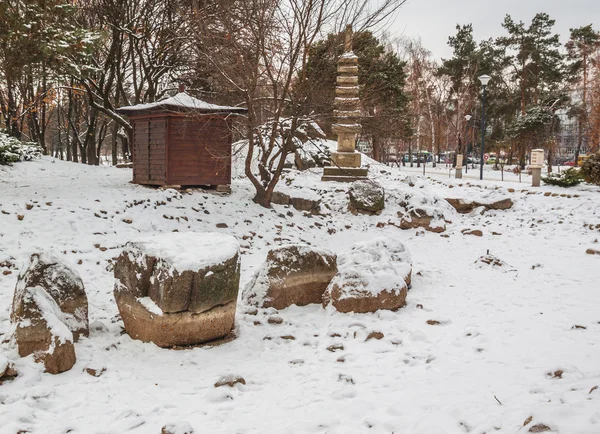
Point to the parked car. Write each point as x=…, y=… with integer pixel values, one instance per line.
x=569, y=163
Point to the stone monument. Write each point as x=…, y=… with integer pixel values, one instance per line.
x=346, y=160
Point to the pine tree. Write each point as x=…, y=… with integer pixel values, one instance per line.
x=582, y=44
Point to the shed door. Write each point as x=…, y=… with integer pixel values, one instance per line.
x=149, y=163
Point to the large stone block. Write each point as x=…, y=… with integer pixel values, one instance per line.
x=292, y=274
x=372, y=275
x=178, y=288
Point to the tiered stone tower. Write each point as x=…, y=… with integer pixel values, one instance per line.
x=346, y=160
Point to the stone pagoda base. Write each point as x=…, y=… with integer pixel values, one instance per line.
x=344, y=174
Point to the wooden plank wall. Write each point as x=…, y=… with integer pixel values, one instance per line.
x=149, y=158
x=199, y=151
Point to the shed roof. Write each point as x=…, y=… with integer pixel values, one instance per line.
x=181, y=102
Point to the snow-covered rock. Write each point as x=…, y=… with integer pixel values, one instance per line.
x=6, y=369
x=423, y=211
x=465, y=206
x=366, y=197
x=372, y=275
x=178, y=288
x=62, y=283
x=177, y=428
x=292, y=274
x=49, y=312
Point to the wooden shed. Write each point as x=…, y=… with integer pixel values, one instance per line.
x=181, y=141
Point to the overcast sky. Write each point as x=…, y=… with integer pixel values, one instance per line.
x=435, y=20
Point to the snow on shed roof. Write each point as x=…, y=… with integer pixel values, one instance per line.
x=182, y=101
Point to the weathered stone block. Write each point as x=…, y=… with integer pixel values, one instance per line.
x=292, y=274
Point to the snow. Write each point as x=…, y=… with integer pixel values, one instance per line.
x=150, y=306
x=182, y=101
x=55, y=318
x=370, y=267
x=500, y=334
x=185, y=251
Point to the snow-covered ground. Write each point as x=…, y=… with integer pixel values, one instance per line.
x=487, y=366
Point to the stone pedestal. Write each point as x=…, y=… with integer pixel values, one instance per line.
x=458, y=174
x=536, y=174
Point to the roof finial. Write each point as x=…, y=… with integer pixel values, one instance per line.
x=348, y=43
x=181, y=87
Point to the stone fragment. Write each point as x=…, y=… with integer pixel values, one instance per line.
x=62, y=284
x=230, y=380
x=366, y=197
x=292, y=274
x=465, y=206
x=178, y=288
x=177, y=428
x=372, y=275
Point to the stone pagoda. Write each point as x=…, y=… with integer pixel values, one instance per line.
x=346, y=160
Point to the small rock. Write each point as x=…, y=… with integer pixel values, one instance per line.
x=275, y=320
x=95, y=372
x=335, y=347
x=433, y=322
x=7, y=272
x=576, y=326
x=20, y=217
x=529, y=419
x=222, y=225
x=540, y=427
x=177, y=428
x=475, y=232
x=288, y=338
x=375, y=335
x=230, y=380
x=592, y=252
x=29, y=206
x=128, y=221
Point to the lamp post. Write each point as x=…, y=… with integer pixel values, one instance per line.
x=484, y=79
x=468, y=119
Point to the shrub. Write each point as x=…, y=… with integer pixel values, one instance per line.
x=591, y=169
x=567, y=178
x=13, y=150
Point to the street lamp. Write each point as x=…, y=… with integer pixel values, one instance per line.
x=484, y=79
x=468, y=119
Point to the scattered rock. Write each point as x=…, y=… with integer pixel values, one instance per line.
x=230, y=380
x=465, y=206
x=7, y=369
x=279, y=198
x=222, y=225
x=177, y=428
x=557, y=374
x=372, y=275
x=95, y=372
x=475, y=232
x=592, y=252
x=413, y=218
x=335, y=347
x=576, y=326
x=20, y=217
x=375, y=335
x=366, y=197
x=303, y=160
x=529, y=419
x=292, y=274
x=178, y=288
x=592, y=389
x=50, y=312
x=275, y=320
x=433, y=322
x=540, y=427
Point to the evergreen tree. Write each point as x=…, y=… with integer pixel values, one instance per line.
x=582, y=44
